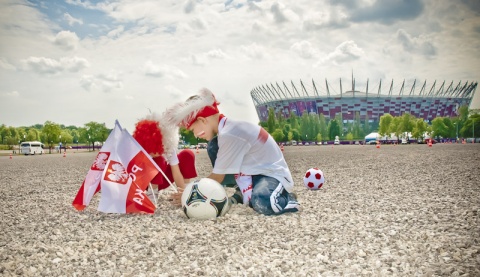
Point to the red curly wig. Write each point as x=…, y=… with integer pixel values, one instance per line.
x=148, y=134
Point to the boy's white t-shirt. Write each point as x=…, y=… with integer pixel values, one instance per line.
x=248, y=149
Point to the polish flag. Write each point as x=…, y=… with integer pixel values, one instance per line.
x=91, y=183
x=127, y=174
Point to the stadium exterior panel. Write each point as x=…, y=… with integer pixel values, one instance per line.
x=420, y=100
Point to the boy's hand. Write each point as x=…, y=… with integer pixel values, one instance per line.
x=176, y=197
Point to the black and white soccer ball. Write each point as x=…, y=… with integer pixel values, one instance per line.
x=205, y=199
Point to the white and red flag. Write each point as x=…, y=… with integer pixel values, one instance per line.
x=91, y=183
x=122, y=171
x=127, y=174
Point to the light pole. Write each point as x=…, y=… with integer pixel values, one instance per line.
x=89, y=143
x=456, y=125
x=473, y=127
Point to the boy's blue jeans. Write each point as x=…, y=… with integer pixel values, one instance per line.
x=268, y=196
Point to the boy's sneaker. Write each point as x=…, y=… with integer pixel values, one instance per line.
x=236, y=198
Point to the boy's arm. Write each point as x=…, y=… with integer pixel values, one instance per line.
x=217, y=177
x=177, y=176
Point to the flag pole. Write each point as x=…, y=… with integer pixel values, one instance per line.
x=153, y=192
x=151, y=160
x=166, y=178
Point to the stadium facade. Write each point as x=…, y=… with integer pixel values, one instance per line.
x=421, y=100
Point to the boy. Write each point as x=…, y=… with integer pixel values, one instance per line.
x=244, y=149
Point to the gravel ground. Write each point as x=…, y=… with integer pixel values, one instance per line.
x=394, y=211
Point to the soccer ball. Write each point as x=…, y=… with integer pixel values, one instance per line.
x=205, y=199
x=313, y=178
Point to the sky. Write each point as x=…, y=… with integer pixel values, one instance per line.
x=75, y=61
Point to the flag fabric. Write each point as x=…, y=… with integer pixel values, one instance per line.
x=91, y=183
x=127, y=174
x=122, y=170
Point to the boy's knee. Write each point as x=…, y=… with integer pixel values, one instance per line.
x=260, y=202
x=261, y=207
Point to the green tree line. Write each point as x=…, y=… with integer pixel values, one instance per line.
x=51, y=134
x=312, y=127
x=315, y=127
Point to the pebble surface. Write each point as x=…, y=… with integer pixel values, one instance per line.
x=407, y=210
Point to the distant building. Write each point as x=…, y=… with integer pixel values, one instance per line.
x=418, y=99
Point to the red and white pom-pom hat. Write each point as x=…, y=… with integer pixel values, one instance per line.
x=186, y=113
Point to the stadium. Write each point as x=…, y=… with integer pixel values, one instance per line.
x=422, y=100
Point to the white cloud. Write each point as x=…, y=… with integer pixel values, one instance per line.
x=420, y=44
x=206, y=58
x=230, y=47
x=163, y=71
x=74, y=64
x=281, y=13
x=10, y=94
x=44, y=65
x=6, y=65
x=277, y=10
x=66, y=40
x=253, y=51
x=304, y=49
x=333, y=18
x=72, y=20
x=189, y=6
x=173, y=91
x=116, y=32
x=102, y=82
x=345, y=52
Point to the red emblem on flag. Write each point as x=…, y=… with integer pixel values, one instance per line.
x=116, y=173
x=100, y=161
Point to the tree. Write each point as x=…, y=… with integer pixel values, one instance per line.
x=339, y=119
x=96, y=132
x=407, y=123
x=50, y=134
x=278, y=135
x=396, y=126
x=471, y=128
x=3, y=132
x=323, y=126
x=333, y=129
x=357, y=127
x=75, y=136
x=33, y=135
x=295, y=134
x=366, y=125
x=290, y=136
x=419, y=129
x=294, y=121
x=271, y=121
x=450, y=127
x=286, y=130
x=280, y=119
x=305, y=126
x=384, y=126
x=439, y=129
x=66, y=137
